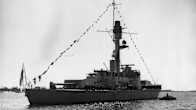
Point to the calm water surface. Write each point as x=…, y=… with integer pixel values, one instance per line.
x=185, y=101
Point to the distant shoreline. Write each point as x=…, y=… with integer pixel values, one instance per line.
x=178, y=91
x=14, y=89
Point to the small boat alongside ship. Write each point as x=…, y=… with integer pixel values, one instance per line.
x=118, y=83
x=167, y=97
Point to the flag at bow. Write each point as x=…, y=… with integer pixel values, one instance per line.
x=22, y=75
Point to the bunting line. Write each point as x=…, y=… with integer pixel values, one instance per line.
x=73, y=43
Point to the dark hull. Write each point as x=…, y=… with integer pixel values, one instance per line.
x=167, y=98
x=52, y=97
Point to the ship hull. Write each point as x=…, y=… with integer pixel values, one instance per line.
x=53, y=97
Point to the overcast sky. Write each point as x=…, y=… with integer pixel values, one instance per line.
x=36, y=31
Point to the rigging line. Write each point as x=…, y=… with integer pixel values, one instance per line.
x=142, y=58
x=75, y=41
x=137, y=49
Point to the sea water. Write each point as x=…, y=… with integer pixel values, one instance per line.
x=185, y=101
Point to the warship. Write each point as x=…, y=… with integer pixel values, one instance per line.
x=118, y=83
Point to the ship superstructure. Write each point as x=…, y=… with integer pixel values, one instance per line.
x=117, y=77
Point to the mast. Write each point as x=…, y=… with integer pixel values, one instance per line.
x=117, y=30
x=113, y=17
x=117, y=35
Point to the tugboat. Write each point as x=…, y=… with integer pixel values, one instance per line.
x=118, y=83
